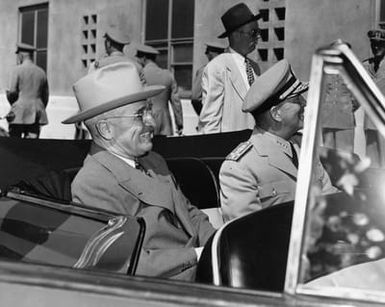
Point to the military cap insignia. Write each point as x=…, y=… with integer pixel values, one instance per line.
x=239, y=151
x=96, y=64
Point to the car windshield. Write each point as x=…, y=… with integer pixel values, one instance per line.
x=344, y=233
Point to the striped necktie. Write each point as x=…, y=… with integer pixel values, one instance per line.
x=249, y=71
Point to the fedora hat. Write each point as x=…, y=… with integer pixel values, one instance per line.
x=117, y=35
x=275, y=85
x=235, y=17
x=108, y=88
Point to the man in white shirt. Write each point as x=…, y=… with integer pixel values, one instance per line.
x=227, y=78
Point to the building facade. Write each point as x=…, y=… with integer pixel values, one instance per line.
x=68, y=36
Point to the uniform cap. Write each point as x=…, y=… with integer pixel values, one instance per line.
x=214, y=47
x=107, y=88
x=141, y=48
x=20, y=47
x=377, y=34
x=117, y=35
x=275, y=85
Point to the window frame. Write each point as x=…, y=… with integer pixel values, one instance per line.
x=35, y=9
x=170, y=43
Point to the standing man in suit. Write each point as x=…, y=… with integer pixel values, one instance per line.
x=262, y=172
x=213, y=49
x=28, y=96
x=122, y=174
x=375, y=145
x=153, y=74
x=227, y=78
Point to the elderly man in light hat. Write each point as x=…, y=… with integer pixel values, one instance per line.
x=28, y=95
x=262, y=172
x=375, y=145
x=114, y=41
x=153, y=74
x=227, y=78
x=121, y=173
x=213, y=49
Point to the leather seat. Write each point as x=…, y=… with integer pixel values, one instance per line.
x=249, y=252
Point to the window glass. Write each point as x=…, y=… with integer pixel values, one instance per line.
x=28, y=27
x=344, y=244
x=183, y=75
x=182, y=18
x=182, y=53
x=156, y=19
x=41, y=59
x=42, y=29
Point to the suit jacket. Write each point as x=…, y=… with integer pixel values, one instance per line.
x=28, y=94
x=260, y=173
x=154, y=75
x=174, y=227
x=224, y=91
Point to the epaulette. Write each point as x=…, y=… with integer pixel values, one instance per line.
x=239, y=151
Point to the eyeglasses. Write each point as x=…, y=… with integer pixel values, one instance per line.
x=255, y=33
x=142, y=115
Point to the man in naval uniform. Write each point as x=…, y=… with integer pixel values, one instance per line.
x=262, y=171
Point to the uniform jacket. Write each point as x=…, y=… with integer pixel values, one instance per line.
x=339, y=105
x=224, y=91
x=154, y=75
x=259, y=174
x=28, y=94
x=115, y=57
x=173, y=226
x=196, y=91
x=379, y=79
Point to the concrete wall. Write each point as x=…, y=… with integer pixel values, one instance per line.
x=314, y=23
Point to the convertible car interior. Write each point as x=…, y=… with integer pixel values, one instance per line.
x=275, y=252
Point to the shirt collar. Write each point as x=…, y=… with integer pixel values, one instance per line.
x=128, y=161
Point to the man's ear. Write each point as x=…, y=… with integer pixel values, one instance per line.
x=104, y=129
x=275, y=113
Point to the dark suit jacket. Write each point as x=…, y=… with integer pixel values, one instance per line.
x=173, y=226
x=28, y=94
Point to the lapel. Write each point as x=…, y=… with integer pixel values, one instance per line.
x=153, y=190
x=270, y=146
x=236, y=77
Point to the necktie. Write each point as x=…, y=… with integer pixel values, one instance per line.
x=294, y=157
x=249, y=71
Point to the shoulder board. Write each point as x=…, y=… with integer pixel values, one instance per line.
x=239, y=151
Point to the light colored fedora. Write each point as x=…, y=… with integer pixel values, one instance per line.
x=108, y=88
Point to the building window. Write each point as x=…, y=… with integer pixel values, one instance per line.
x=170, y=29
x=33, y=27
x=380, y=12
x=88, y=39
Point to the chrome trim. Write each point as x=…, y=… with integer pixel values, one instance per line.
x=92, y=251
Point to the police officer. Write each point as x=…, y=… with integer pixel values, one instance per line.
x=28, y=95
x=213, y=49
x=262, y=171
x=114, y=41
x=154, y=75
